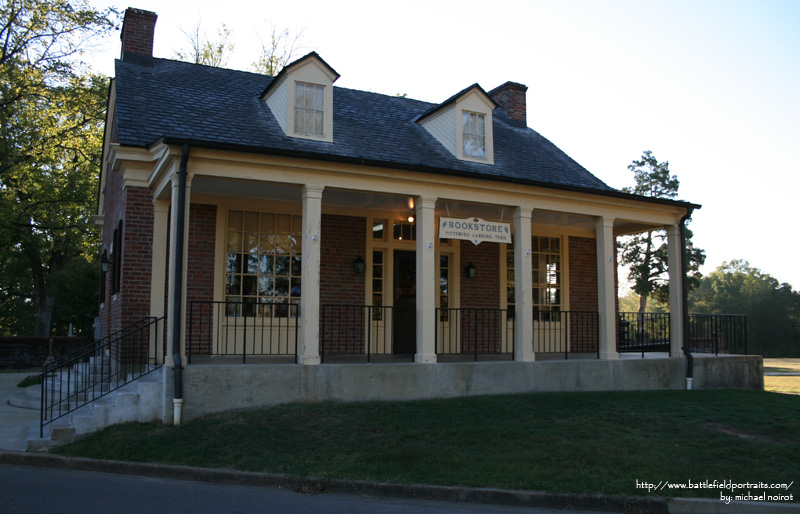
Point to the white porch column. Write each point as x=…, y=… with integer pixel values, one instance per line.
x=674, y=259
x=606, y=290
x=173, y=227
x=308, y=353
x=158, y=268
x=426, y=280
x=523, y=286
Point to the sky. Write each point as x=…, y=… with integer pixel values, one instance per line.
x=711, y=86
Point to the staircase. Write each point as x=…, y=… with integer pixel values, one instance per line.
x=88, y=411
x=89, y=390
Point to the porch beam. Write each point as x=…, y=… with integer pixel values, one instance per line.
x=523, y=286
x=426, y=280
x=308, y=353
x=606, y=290
x=674, y=257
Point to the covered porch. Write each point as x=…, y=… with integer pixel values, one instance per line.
x=322, y=266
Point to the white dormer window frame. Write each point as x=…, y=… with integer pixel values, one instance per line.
x=474, y=124
x=309, y=110
x=464, y=125
x=301, y=98
x=473, y=135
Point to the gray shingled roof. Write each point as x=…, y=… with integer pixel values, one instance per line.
x=215, y=107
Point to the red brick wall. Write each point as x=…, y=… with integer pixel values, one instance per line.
x=134, y=206
x=582, y=274
x=343, y=239
x=200, y=273
x=482, y=328
x=583, y=294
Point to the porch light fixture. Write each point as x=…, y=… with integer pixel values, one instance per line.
x=470, y=270
x=104, y=263
x=359, y=265
x=411, y=219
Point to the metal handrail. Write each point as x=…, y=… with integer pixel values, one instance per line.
x=103, y=368
x=644, y=332
x=279, y=321
x=718, y=333
x=474, y=331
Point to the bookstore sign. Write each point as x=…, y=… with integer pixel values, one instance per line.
x=475, y=230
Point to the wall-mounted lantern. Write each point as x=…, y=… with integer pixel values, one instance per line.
x=470, y=270
x=104, y=263
x=359, y=265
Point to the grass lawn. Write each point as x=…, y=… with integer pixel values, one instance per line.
x=560, y=442
x=782, y=384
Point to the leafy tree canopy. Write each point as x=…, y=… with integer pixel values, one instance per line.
x=772, y=308
x=51, y=118
x=646, y=254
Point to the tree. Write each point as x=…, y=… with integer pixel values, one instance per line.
x=203, y=50
x=51, y=111
x=645, y=254
x=279, y=50
x=772, y=308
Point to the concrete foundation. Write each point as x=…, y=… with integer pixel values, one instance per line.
x=215, y=388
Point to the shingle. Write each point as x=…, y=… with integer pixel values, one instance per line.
x=216, y=106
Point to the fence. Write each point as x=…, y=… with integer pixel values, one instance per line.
x=366, y=331
x=237, y=328
x=567, y=332
x=475, y=332
x=95, y=371
x=718, y=333
x=643, y=332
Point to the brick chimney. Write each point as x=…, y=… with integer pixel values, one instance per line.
x=510, y=97
x=138, y=28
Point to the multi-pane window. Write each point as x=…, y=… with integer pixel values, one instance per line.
x=378, y=276
x=546, y=277
x=510, y=281
x=474, y=134
x=309, y=109
x=262, y=274
x=403, y=231
x=546, y=253
x=444, y=287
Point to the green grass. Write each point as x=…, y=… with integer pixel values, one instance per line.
x=29, y=381
x=558, y=442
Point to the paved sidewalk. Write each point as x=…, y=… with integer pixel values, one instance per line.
x=14, y=421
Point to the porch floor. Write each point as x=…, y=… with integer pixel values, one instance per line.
x=206, y=360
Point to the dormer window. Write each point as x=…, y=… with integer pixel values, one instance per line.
x=309, y=110
x=463, y=125
x=301, y=98
x=474, y=134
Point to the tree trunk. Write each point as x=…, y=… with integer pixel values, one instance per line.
x=645, y=276
x=42, y=303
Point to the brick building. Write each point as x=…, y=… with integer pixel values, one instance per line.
x=323, y=223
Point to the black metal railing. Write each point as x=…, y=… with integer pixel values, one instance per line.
x=567, y=332
x=643, y=332
x=246, y=329
x=718, y=333
x=363, y=332
x=84, y=376
x=475, y=332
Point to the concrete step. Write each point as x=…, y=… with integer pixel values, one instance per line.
x=138, y=400
x=28, y=398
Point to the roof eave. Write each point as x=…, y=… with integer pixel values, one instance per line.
x=421, y=168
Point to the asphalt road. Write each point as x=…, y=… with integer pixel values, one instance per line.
x=26, y=489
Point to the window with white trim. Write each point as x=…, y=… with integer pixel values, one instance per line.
x=546, y=277
x=309, y=110
x=262, y=264
x=473, y=127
